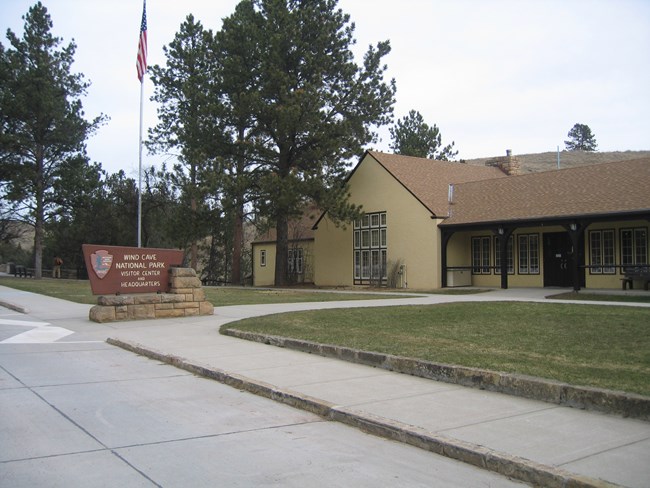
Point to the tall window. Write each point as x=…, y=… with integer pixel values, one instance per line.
x=529, y=254
x=263, y=257
x=497, y=255
x=634, y=247
x=601, y=252
x=481, y=255
x=370, y=248
x=295, y=260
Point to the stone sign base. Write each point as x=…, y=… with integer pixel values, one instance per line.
x=185, y=298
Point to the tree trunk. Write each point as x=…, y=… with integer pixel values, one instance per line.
x=39, y=218
x=281, y=251
x=38, y=248
x=238, y=235
x=194, y=251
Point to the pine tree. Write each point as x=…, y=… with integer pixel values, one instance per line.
x=414, y=137
x=581, y=139
x=42, y=121
x=312, y=106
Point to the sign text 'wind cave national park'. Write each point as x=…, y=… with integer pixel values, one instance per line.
x=123, y=270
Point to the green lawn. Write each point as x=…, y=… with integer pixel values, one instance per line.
x=591, y=345
x=79, y=291
x=600, y=297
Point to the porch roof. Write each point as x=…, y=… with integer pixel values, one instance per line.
x=620, y=188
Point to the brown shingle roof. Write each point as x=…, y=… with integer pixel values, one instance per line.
x=300, y=229
x=601, y=189
x=428, y=180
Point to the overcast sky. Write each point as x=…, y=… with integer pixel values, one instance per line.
x=491, y=74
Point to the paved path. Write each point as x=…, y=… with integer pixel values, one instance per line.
x=550, y=444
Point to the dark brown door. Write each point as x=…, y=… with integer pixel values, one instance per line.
x=557, y=259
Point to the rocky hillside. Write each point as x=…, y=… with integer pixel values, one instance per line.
x=533, y=163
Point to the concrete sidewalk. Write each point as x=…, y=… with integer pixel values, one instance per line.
x=540, y=443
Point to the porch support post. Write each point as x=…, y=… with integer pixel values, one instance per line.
x=445, y=235
x=504, y=234
x=576, y=232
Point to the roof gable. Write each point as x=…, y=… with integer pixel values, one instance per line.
x=428, y=180
x=601, y=189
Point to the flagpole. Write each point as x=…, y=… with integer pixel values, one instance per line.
x=141, y=66
x=140, y=166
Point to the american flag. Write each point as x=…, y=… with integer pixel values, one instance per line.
x=141, y=63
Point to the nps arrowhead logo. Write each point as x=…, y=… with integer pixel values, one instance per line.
x=101, y=262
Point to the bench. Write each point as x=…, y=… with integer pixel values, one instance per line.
x=636, y=274
x=22, y=271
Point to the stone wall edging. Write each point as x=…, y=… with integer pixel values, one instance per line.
x=602, y=400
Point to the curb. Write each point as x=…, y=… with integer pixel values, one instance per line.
x=15, y=308
x=582, y=397
x=514, y=467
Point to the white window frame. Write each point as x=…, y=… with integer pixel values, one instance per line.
x=370, y=243
x=633, y=247
x=295, y=260
x=602, y=256
x=481, y=250
x=528, y=247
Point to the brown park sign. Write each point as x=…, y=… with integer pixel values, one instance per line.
x=121, y=270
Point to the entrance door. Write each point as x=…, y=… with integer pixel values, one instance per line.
x=557, y=259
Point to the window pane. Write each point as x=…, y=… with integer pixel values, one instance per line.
x=485, y=255
x=374, y=240
x=383, y=219
x=511, y=258
x=298, y=259
x=609, y=254
x=476, y=255
x=365, y=264
x=374, y=220
x=357, y=239
x=627, y=246
x=364, y=221
x=376, y=270
x=383, y=238
x=640, y=246
x=523, y=254
x=533, y=254
x=365, y=238
x=595, y=251
x=357, y=264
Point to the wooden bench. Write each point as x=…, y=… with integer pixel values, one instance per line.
x=636, y=274
x=22, y=272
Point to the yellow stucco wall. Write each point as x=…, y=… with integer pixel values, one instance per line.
x=412, y=236
x=264, y=275
x=459, y=254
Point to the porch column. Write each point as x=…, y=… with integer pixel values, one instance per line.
x=445, y=235
x=504, y=234
x=576, y=232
